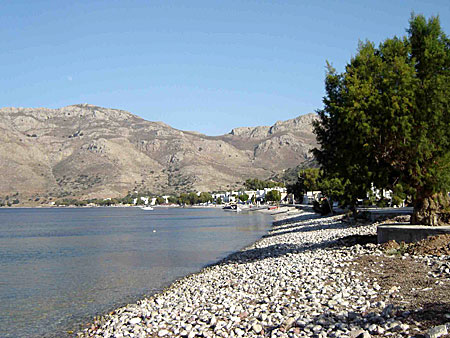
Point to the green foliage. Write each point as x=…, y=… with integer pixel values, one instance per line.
x=127, y=200
x=257, y=184
x=290, y=175
x=183, y=198
x=219, y=200
x=160, y=200
x=323, y=207
x=273, y=196
x=314, y=179
x=172, y=200
x=400, y=194
x=307, y=180
x=397, y=249
x=192, y=198
x=382, y=203
x=205, y=197
x=332, y=188
x=71, y=201
x=244, y=197
x=385, y=119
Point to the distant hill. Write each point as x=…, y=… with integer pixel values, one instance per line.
x=85, y=151
x=290, y=175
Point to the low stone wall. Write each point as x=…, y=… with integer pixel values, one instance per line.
x=377, y=213
x=403, y=232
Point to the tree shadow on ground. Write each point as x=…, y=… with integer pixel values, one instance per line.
x=293, y=222
x=419, y=322
x=356, y=239
x=432, y=313
x=283, y=249
x=295, y=219
x=271, y=251
x=304, y=227
x=313, y=225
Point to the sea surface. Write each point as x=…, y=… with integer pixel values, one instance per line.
x=61, y=267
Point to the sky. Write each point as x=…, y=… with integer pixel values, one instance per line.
x=207, y=66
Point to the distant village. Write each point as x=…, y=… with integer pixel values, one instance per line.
x=255, y=192
x=229, y=197
x=266, y=192
x=258, y=192
x=255, y=197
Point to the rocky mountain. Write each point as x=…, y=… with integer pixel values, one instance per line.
x=86, y=151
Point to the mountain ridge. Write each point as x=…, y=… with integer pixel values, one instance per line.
x=87, y=151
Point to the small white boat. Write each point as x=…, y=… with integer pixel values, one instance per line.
x=146, y=208
x=232, y=207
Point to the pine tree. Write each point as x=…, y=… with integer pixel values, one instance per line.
x=386, y=120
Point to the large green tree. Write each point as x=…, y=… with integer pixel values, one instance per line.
x=257, y=184
x=307, y=180
x=386, y=120
x=273, y=196
x=205, y=197
x=244, y=197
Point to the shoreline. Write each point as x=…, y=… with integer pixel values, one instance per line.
x=298, y=280
x=77, y=329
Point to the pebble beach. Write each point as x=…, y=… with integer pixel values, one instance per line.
x=299, y=280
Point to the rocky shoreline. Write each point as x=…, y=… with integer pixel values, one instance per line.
x=303, y=279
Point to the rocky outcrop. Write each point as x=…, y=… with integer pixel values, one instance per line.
x=86, y=151
x=300, y=125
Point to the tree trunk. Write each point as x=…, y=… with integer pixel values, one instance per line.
x=431, y=209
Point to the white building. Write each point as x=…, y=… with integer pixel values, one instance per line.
x=311, y=196
x=145, y=199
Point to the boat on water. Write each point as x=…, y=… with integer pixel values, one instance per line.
x=232, y=207
x=147, y=208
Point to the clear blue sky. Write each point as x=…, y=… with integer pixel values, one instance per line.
x=196, y=65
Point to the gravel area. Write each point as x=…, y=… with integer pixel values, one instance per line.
x=303, y=279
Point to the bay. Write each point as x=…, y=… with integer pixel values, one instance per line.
x=61, y=266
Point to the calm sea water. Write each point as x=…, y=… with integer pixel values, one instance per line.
x=60, y=267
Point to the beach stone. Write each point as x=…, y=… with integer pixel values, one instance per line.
x=135, y=320
x=243, y=315
x=358, y=333
x=162, y=333
x=289, y=281
x=317, y=328
x=437, y=331
x=288, y=323
x=332, y=303
x=373, y=328
x=239, y=332
x=404, y=327
x=257, y=327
